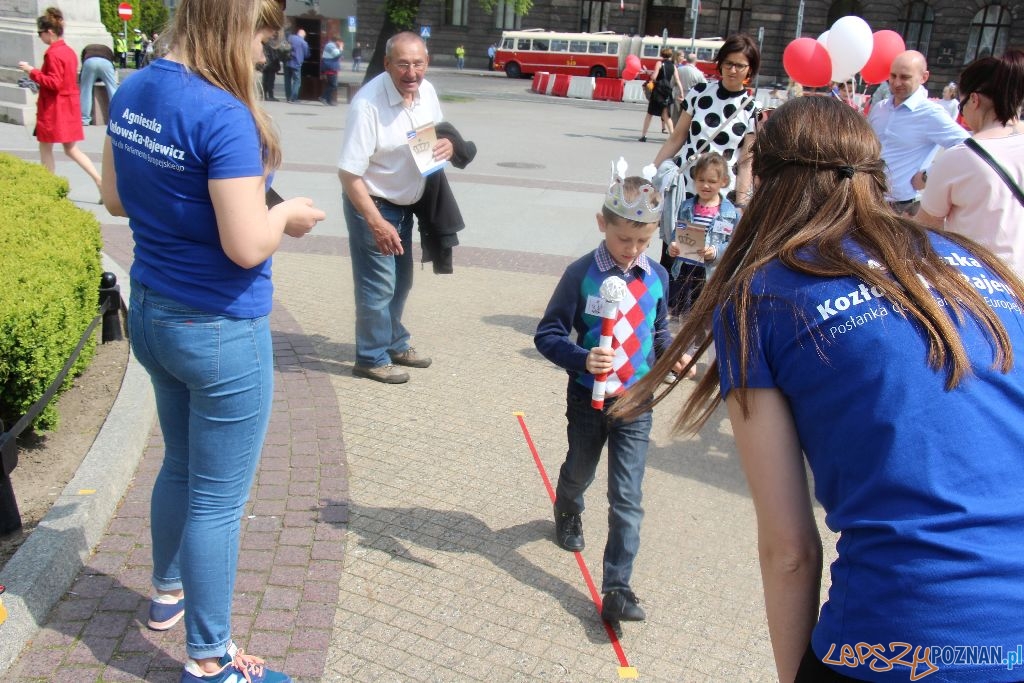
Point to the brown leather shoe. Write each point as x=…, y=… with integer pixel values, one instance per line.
x=388, y=374
x=410, y=359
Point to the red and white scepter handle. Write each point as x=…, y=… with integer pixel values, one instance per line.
x=613, y=290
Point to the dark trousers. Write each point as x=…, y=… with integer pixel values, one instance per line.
x=268, y=83
x=684, y=289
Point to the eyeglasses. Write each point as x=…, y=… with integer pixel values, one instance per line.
x=414, y=66
x=963, y=103
x=733, y=66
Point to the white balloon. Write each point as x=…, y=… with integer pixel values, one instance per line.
x=823, y=39
x=850, y=43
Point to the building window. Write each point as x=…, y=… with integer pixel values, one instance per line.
x=505, y=16
x=917, y=26
x=730, y=16
x=455, y=12
x=843, y=8
x=594, y=16
x=990, y=29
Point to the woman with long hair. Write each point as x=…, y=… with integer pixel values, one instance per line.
x=58, y=109
x=188, y=159
x=883, y=353
x=964, y=193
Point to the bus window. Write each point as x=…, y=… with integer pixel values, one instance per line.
x=508, y=44
x=596, y=48
x=559, y=45
x=652, y=51
x=706, y=54
x=577, y=46
x=523, y=44
x=540, y=45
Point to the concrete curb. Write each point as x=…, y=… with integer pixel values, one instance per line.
x=44, y=567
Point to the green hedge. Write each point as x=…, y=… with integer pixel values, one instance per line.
x=49, y=285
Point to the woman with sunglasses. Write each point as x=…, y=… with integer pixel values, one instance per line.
x=58, y=109
x=964, y=193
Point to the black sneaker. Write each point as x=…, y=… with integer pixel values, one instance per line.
x=569, y=531
x=621, y=606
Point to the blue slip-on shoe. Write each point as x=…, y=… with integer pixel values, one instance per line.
x=165, y=611
x=235, y=668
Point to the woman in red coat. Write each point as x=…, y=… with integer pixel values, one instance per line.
x=58, y=112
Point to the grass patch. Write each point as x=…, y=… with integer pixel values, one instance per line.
x=456, y=98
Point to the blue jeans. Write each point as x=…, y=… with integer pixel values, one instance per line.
x=213, y=380
x=292, y=81
x=95, y=69
x=588, y=431
x=382, y=284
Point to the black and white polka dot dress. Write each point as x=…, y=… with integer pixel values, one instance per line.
x=710, y=104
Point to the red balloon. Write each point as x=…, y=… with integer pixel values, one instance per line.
x=633, y=67
x=807, y=62
x=888, y=44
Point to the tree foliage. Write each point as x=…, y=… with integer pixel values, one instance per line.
x=150, y=16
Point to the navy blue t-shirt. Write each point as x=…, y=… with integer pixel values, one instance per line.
x=171, y=133
x=923, y=485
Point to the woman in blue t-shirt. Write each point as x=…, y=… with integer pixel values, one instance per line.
x=883, y=353
x=188, y=158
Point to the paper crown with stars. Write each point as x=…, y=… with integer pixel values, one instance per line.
x=644, y=208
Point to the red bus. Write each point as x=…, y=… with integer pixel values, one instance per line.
x=603, y=54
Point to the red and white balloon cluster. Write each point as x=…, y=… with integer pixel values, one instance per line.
x=840, y=52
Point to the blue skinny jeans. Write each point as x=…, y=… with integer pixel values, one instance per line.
x=213, y=380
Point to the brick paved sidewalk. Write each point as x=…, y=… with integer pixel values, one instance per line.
x=292, y=552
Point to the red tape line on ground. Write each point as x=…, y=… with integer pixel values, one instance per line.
x=625, y=670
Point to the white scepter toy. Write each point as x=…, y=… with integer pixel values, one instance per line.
x=613, y=290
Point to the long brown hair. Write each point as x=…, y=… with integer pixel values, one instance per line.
x=822, y=182
x=213, y=38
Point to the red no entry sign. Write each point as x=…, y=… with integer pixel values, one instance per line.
x=124, y=10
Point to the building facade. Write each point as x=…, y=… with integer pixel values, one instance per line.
x=949, y=32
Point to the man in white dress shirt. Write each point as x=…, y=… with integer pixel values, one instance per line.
x=381, y=179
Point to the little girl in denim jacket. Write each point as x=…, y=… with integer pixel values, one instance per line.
x=712, y=211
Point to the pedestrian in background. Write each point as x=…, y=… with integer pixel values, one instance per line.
x=201, y=295
x=357, y=57
x=460, y=57
x=883, y=354
x=330, y=64
x=271, y=63
x=58, y=107
x=293, y=67
x=97, y=65
x=491, y=51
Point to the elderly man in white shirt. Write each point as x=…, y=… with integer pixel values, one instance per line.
x=382, y=167
x=911, y=129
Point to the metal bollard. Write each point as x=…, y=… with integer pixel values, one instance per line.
x=110, y=301
x=10, y=516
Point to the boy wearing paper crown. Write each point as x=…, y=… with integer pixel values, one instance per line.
x=628, y=220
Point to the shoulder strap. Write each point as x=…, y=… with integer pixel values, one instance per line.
x=1000, y=171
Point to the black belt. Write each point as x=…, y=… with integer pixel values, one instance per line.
x=904, y=203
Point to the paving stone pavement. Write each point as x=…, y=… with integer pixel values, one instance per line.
x=403, y=532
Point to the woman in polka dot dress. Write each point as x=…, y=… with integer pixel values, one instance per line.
x=707, y=105
x=704, y=109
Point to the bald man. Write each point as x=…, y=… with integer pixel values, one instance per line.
x=911, y=128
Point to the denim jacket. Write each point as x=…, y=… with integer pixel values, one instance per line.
x=719, y=234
